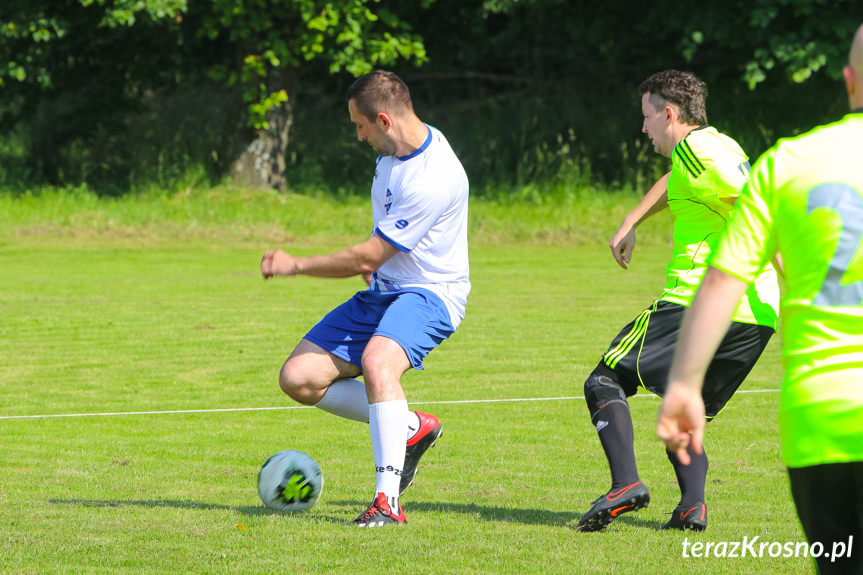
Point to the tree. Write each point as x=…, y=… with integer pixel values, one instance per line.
x=550, y=83
x=74, y=68
x=797, y=37
x=273, y=41
x=526, y=89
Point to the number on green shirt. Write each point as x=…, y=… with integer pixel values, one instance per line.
x=849, y=205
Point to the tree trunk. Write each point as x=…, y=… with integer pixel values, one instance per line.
x=43, y=152
x=260, y=163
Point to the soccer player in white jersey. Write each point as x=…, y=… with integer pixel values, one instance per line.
x=804, y=200
x=416, y=264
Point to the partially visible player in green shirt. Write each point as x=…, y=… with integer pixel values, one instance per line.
x=804, y=200
x=708, y=170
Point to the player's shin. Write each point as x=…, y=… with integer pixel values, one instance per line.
x=346, y=398
x=388, y=427
x=691, y=478
x=609, y=412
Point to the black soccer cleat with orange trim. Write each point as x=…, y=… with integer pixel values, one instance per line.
x=688, y=517
x=380, y=514
x=429, y=431
x=611, y=505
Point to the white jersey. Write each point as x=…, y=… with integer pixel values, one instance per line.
x=419, y=205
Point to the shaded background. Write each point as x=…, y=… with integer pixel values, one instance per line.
x=126, y=96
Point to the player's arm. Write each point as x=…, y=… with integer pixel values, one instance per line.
x=360, y=259
x=623, y=241
x=704, y=326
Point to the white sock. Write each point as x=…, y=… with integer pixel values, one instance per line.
x=346, y=398
x=388, y=426
x=413, y=424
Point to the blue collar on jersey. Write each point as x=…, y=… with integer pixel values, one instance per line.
x=421, y=149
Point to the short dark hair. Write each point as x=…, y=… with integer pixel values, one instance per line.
x=380, y=91
x=680, y=89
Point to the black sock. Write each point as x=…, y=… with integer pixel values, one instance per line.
x=691, y=478
x=614, y=426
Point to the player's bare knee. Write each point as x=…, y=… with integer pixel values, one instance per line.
x=601, y=388
x=375, y=368
x=294, y=382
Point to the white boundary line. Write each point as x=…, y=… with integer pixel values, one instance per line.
x=287, y=407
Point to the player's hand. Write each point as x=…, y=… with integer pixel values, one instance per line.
x=681, y=421
x=277, y=263
x=367, y=277
x=622, y=244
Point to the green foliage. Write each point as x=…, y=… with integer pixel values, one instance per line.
x=273, y=36
x=84, y=76
x=31, y=31
x=22, y=41
x=74, y=77
x=797, y=37
x=129, y=94
x=125, y=12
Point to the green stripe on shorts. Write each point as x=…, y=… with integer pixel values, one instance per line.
x=614, y=355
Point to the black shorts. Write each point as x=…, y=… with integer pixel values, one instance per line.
x=641, y=355
x=829, y=501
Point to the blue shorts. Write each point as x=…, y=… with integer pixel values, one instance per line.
x=414, y=318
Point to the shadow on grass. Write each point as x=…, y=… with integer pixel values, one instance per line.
x=487, y=513
x=514, y=515
x=247, y=510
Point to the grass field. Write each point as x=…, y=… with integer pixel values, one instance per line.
x=140, y=353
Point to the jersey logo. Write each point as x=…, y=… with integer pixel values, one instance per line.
x=689, y=160
x=402, y=224
x=389, y=201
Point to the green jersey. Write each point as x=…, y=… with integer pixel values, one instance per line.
x=805, y=201
x=708, y=171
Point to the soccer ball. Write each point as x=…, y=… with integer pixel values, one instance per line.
x=290, y=481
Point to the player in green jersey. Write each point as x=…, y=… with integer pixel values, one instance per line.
x=805, y=201
x=707, y=171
